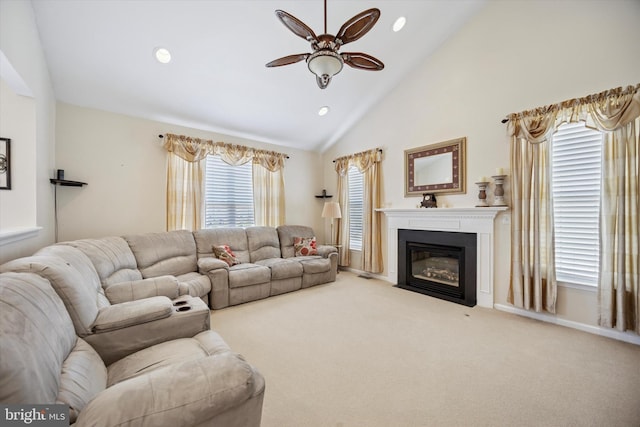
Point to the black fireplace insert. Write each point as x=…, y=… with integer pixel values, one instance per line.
x=438, y=263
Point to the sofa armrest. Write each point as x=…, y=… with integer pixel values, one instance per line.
x=129, y=313
x=145, y=288
x=207, y=264
x=325, y=250
x=183, y=394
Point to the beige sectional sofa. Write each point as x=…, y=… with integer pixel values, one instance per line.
x=134, y=266
x=124, y=322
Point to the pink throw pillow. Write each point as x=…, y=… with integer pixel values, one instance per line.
x=305, y=246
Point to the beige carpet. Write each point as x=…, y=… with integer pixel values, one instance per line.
x=360, y=352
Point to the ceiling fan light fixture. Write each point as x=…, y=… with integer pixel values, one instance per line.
x=325, y=61
x=324, y=64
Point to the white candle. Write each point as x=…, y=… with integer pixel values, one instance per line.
x=482, y=179
x=499, y=171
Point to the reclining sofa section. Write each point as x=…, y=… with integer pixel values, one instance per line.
x=266, y=266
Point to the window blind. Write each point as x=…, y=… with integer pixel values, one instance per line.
x=228, y=194
x=576, y=171
x=356, y=192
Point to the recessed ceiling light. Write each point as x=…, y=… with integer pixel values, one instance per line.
x=323, y=110
x=399, y=23
x=162, y=55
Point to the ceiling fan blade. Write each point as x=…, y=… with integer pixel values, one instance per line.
x=296, y=26
x=362, y=61
x=286, y=60
x=357, y=26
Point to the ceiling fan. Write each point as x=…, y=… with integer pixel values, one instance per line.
x=326, y=61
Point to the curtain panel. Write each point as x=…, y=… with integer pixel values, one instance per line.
x=268, y=189
x=615, y=113
x=368, y=163
x=185, y=183
x=185, y=180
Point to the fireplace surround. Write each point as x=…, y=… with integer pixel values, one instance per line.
x=479, y=221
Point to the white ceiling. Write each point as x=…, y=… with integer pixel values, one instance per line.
x=100, y=55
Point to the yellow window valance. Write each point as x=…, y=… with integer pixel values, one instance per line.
x=196, y=149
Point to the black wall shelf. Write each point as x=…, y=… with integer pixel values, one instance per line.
x=62, y=183
x=324, y=195
x=67, y=183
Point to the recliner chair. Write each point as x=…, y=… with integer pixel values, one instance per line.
x=195, y=381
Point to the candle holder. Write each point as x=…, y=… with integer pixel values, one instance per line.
x=482, y=194
x=499, y=191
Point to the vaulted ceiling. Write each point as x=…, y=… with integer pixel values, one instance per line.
x=100, y=55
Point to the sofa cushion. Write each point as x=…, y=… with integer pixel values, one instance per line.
x=167, y=253
x=138, y=289
x=282, y=268
x=83, y=376
x=313, y=265
x=235, y=238
x=81, y=262
x=304, y=246
x=248, y=274
x=224, y=253
x=79, y=299
x=36, y=336
x=204, y=344
x=263, y=243
x=111, y=257
x=287, y=233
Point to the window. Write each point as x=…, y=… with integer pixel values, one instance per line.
x=228, y=194
x=356, y=205
x=576, y=170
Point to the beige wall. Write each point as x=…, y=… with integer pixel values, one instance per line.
x=124, y=164
x=512, y=56
x=33, y=142
x=18, y=123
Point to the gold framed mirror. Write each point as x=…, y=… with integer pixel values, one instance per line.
x=436, y=168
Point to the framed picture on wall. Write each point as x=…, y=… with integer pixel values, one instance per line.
x=5, y=164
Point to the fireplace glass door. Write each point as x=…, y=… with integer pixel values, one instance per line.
x=437, y=264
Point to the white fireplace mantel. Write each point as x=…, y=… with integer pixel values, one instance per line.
x=461, y=220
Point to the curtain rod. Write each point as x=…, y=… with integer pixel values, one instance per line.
x=585, y=99
x=286, y=155
x=355, y=154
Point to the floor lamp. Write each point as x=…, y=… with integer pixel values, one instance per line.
x=331, y=210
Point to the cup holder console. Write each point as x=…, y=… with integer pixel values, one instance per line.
x=177, y=303
x=183, y=308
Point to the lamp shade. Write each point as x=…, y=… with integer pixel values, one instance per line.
x=324, y=64
x=331, y=210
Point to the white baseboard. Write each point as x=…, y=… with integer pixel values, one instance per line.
x=597, y=330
